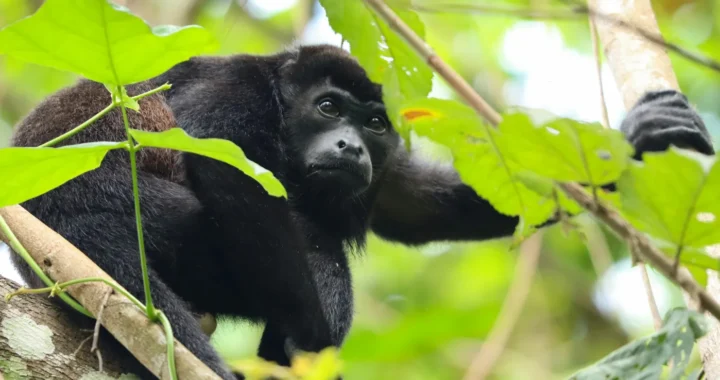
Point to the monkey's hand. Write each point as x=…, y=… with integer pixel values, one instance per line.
x=664, y=118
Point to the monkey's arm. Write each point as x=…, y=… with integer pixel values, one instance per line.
x=421, y=202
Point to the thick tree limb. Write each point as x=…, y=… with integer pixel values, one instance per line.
x=39, y=341
x=127, y=323
x=639, y=65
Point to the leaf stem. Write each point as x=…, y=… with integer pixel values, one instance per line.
x=169, y=344
x=20, y=250
x=155, y=90
x=150, y=307
x=80, y=127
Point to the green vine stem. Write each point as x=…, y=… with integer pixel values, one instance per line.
x=20, y=250
x=170, y=344
x=58, y=288
x=79, y=128
x=149, y=306
x=155, y=90
x=100, y=114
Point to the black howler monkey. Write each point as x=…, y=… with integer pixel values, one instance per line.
x=218, y=243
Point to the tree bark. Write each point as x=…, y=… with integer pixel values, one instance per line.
x=639, y=65
x=62, y=262
x=40, y=341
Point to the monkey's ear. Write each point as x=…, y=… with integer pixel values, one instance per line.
x=288, y=83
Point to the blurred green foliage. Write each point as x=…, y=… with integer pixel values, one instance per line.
x=423, y=312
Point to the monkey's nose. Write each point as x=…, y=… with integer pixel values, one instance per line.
x=349, y=148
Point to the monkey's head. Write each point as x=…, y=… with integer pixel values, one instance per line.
x=339, y=133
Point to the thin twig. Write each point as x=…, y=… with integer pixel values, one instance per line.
x=598, y=249
x=484, y=361
x=652, y=37
x=305, y=10
x=487, y=9
x=641, y=245
x=598, y=67
x=80, y=346
x=657, y=319
x=572, y=13
x=652, y=303
x=445, y=71
x=96, y=333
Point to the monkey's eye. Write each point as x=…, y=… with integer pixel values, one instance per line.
x=376, y=125
x=328, y=108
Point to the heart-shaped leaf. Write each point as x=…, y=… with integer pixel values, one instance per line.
x=101, y=41
x=673, y=196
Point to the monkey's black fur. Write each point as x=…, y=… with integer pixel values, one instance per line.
x=218, y=243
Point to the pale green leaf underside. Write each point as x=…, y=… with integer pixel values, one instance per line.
x=30, y=172
x=566, y=150
x=673, y=196
x=100, y=41
x=644, y=358
x=218, y=149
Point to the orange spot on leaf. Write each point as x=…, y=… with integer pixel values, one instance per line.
x=412, y=114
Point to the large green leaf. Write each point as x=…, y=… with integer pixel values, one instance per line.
x=479, y=159
x=29, y=172
x=378, y=48
x=386, y=57
x=565, y=149
x=644, y=358
x=101, y=41
x=673, y=196
x=219, y=149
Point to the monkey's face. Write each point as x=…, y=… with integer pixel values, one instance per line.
x=341, y=141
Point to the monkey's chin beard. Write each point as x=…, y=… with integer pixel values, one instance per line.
x=338, y=181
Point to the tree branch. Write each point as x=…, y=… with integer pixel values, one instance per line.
x=39, y=340
x=638, y=65
x=126, y=322
x=638, y=241
x=652, y=304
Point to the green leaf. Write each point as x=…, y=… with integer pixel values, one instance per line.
x=566, y=150
x=673, y=197
x=699, y=274
x=386, y=57
x=378, y=49
x=546, y=188
x=697, y=260
x=30, y=172
x=644, y=358
x=218, y=149
x=479, y=160
x=101, y=41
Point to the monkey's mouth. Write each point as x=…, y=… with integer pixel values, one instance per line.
x=342, y=173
